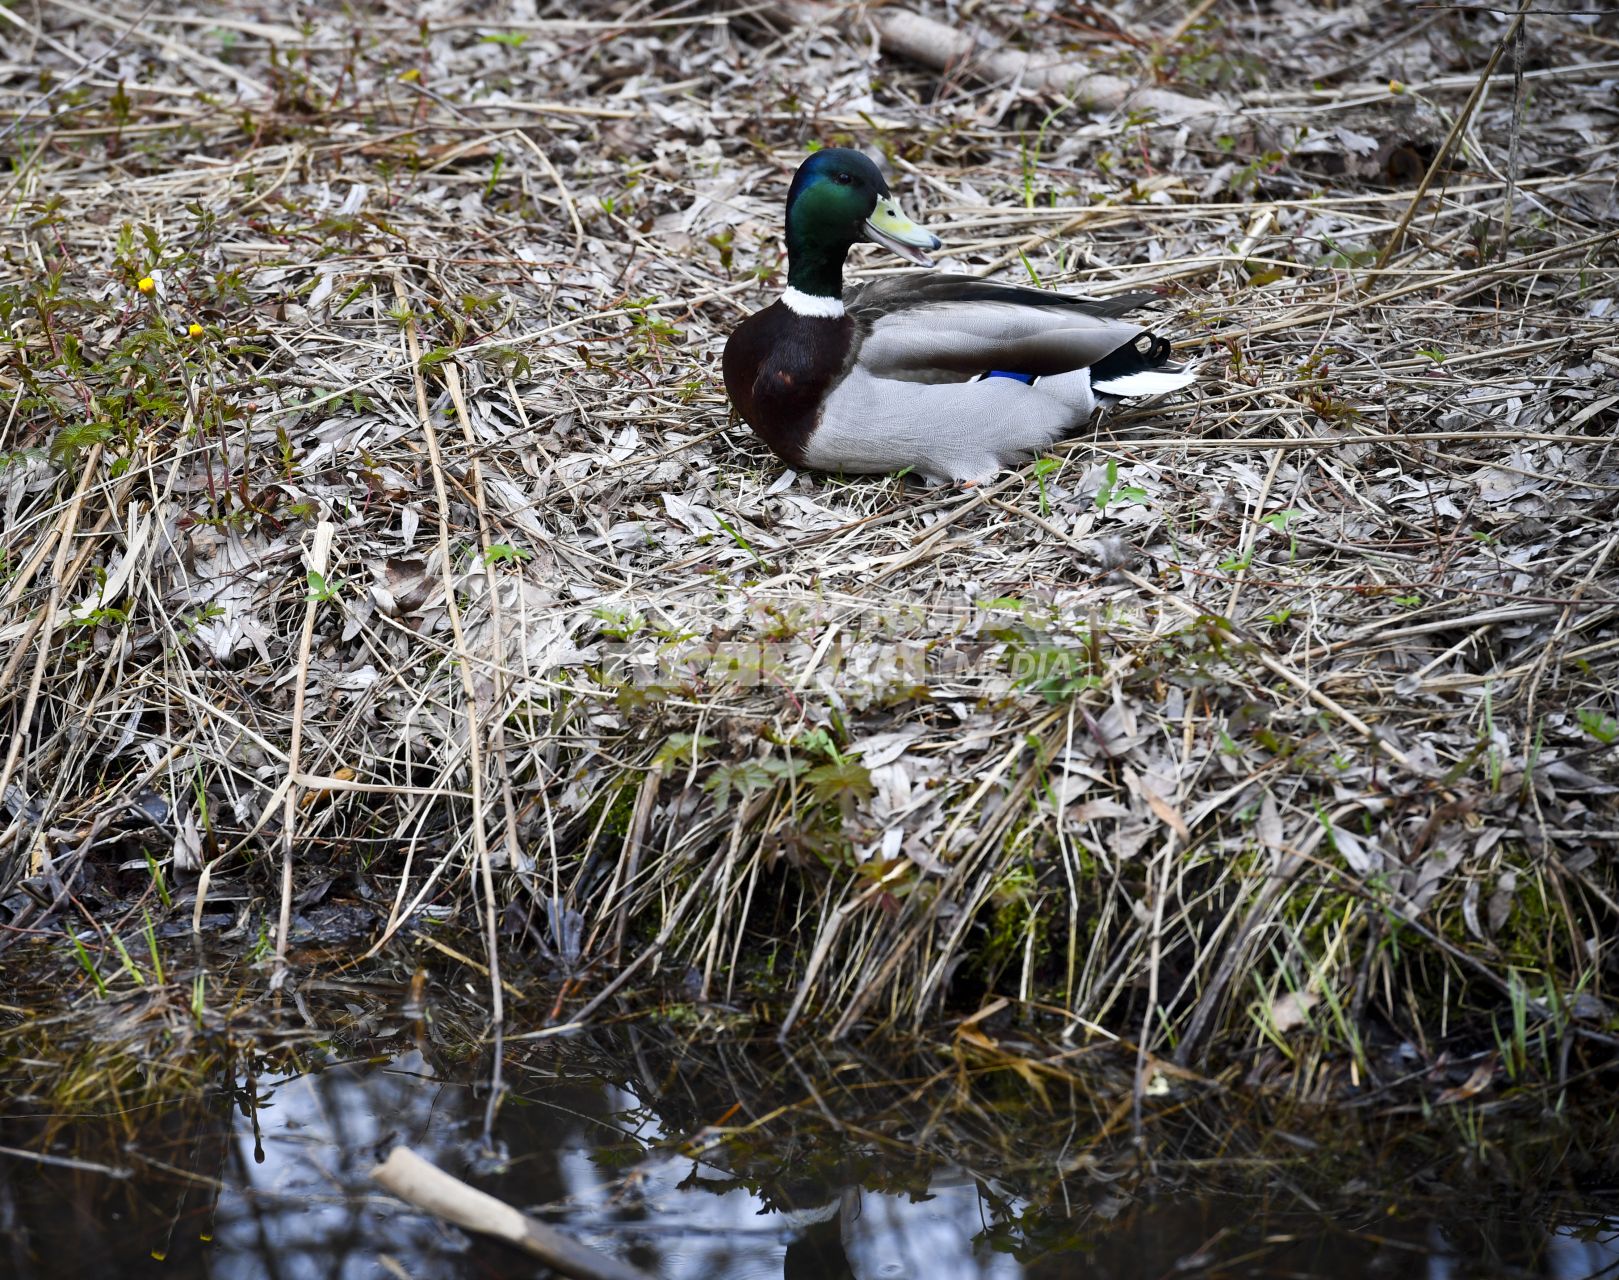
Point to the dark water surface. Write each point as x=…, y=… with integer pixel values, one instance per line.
x=702, y=1156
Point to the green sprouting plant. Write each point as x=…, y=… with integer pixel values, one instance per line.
x=741, y=541
x=1531, y=760
x=682, y=750
x=818, y=742
x=263, y=946
x=1038, y=664
x=158, y=881
x=150, y=935
x=1043, y=467
x=88, y=965
x=1246, y=179
x=1328, y=407
x=347, y=300
x=109, y=616
x=188, y=624
x=1494, y=762
x=1112, y=491
x=1014, y=922
x=129, y=965
x=742, y=778
x=1031, y=156
x=321, y=591
x=1601, y=726
x=505, y=553
x=1281, y=522
x=723, y=243
x=843, y=781
x=510, y=363
x=199, y=792
x=617, y=624
x=71, y=441
x=1514, y=1046
x=1348, y=1032
x=652, y=332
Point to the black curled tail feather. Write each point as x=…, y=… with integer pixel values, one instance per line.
x=1145, y=351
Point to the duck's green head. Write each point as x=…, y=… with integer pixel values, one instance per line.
x=838, y=196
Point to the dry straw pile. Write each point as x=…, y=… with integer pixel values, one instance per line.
x=370, y=507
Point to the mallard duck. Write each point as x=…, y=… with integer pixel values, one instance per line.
x=950, y=376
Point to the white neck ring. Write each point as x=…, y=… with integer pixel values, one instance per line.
x=807, y=304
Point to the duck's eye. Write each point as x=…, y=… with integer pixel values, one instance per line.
x=843, y=179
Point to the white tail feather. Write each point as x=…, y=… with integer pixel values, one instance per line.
x=1149, y=382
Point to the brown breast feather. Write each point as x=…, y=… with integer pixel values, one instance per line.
x=779, y=366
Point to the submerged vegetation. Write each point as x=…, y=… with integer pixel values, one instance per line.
x=371, y=514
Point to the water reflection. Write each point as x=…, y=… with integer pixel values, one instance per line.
x=727, y=1168
x=296, y=1189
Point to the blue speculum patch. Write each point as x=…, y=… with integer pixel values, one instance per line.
x=1027, y=379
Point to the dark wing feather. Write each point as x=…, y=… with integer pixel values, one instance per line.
x=901, y=293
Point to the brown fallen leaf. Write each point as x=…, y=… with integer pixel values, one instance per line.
x=1475, y=1084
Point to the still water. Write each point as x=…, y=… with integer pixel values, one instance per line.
x=701, y=1160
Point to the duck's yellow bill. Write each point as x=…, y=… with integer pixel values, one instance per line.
x=889, y=227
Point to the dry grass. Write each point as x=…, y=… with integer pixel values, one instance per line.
x=1270, y=718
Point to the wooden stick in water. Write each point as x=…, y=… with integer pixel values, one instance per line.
x=417, y=1182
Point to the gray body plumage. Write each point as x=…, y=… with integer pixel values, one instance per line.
x=946, y=430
